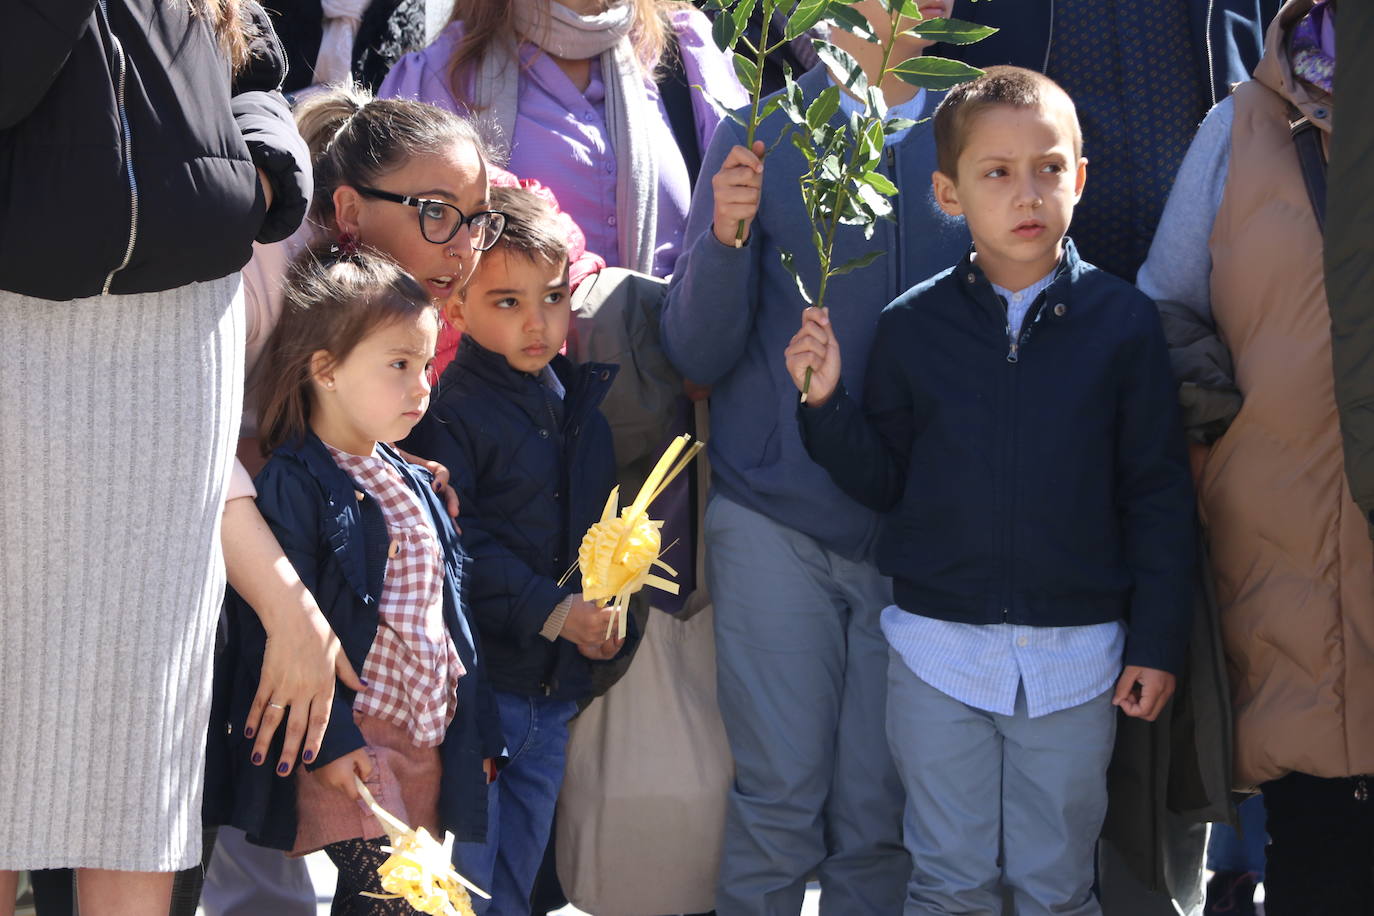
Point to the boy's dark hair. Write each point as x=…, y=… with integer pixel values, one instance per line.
x=532, y=227
x=1015, y=87
x=332, y=303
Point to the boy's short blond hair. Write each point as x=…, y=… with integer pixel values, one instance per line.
x=532, y=226
x=1015, y=87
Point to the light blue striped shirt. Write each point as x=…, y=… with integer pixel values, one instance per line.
x=910, y=109
x=983, y=665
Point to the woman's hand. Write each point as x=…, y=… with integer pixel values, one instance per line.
x=736, y=188
x=303, y=657
x=441, y=486
x=338, y=774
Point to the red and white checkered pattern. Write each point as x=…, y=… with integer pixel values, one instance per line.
x=413, y=668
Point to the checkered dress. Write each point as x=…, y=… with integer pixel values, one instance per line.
x=413, y=667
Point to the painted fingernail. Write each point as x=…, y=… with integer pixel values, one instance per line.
x=249, y=731
x=308, y=756
x=257, y=758
x=283, y=768
x=364, y=682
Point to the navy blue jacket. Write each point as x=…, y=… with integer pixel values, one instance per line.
x=1047, y=486
x=532, y=473
x=338, y=544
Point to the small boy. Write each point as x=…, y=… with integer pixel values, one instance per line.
x=531, y=461
x=1019, y=429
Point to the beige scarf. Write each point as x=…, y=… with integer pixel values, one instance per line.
x=562, y=33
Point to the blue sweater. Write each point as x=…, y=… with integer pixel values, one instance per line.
x=731, y=312
x=1046, y=486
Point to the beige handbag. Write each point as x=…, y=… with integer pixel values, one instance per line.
x=642, y=810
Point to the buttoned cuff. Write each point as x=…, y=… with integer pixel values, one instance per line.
x=554, y=625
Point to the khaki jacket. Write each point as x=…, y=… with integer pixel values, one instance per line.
x=1291, y=551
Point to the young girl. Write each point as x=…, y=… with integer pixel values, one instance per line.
x=347, y=370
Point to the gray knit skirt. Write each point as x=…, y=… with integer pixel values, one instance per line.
x=118, y=418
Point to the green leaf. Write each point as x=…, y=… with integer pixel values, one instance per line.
x=748, y=72
x=789, y=263
x=800, y=141
x=861, y=261
x=935, y=72
x=875, y=103
x=873, y=199
x=830, y=167
x=897, y=125
x=843, y=65
x=720, y=105
x=879, y=182
x=824, y=107
x=853, y=22
x=724, y=32
x=951, y=31
x=806, y=15
x=713, y=5
x=742, y=12
x=873, y=140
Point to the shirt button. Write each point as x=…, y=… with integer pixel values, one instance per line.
x=971, y=277
x=1060, y=309
x=610, y=167
x=393, y=550
x=587, y=115
x=1022, y=641
x=610, y=221
x=543, y=434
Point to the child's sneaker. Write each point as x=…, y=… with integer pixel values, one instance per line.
x=1231, y=893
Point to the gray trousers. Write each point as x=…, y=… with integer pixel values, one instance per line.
x=980, y=783
x=248, y=880
x=801, y=664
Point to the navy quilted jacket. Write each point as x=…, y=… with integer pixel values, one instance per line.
x=532, y=473
x=338, y=544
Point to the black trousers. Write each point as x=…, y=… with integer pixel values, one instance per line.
x=1321, y=846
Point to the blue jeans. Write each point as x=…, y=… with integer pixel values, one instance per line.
x=801, y=668
x=520, y=804
x=1229, y=850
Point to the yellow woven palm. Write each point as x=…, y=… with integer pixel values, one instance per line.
x=419, y=869
x=618, y=554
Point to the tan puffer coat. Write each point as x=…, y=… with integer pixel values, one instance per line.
x=1291, y=551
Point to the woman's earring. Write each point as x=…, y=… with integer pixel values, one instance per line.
x=346, y=246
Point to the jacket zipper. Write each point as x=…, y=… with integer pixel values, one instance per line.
x=126, y=147
x=1049, y=42
x=1211, y=65
x=1016, y=342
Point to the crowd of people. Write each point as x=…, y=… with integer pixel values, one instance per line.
x=1013, y=569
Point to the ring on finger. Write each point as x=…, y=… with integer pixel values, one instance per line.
x=276, y=706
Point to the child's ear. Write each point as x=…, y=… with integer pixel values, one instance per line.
x=453, y=312
x=1080, y=179
x=347, y=203
x=322, y=367
x=946, y=195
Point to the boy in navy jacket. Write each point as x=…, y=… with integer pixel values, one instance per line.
x=519, y=428
x=1019, y=429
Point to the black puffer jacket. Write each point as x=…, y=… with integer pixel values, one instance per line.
x=127, y=154
x=532, y=474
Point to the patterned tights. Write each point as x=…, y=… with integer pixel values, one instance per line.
x=357, y=862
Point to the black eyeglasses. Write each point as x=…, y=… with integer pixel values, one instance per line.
x=440, y=221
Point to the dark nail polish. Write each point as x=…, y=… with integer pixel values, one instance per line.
x=249, y=732
x=308, y=756
x=283, y=769
x=364, y=682
x=257, y=759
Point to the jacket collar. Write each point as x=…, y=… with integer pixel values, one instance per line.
x=584, y=385
x=342, y=515
x=1275, y=70
x=978, y=287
